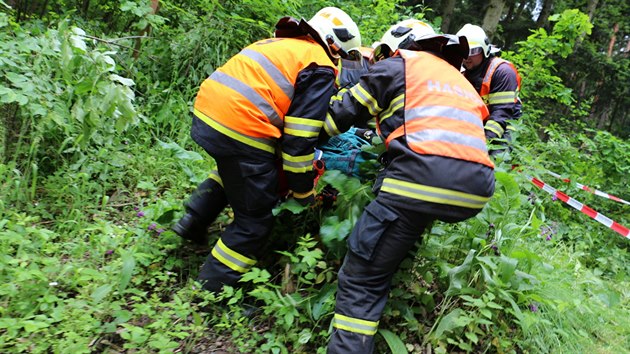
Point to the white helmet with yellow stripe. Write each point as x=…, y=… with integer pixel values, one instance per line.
x=478, y=41
x=337, y=30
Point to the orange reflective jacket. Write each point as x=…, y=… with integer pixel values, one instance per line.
x=444, y=115
x=248, y=97
x=485, y=85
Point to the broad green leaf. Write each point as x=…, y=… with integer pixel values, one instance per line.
x=458, y=276
x=507, y=267
x=305, y=336
x=472, y=337
x=146, y=185
x=33, y=326
x=122, y=80
x=166, y=217
x=129, y=263
x=179, y=152
x=323, y=301
x=78, y=43
x=395, y=344
x=101, y=292
x=448, y=323
x=333, y=229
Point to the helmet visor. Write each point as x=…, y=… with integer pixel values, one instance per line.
x=475, y=51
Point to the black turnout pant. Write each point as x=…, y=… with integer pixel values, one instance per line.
x=250, y=185
x=381, y=239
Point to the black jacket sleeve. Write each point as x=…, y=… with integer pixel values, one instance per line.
x=302, y=125
x=375, y=95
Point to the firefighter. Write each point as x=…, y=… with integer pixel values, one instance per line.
x=268, y=100
x=498, y=83
x=208, y=200
x=437, y=166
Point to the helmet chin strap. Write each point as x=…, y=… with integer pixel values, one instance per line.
x=336, y=47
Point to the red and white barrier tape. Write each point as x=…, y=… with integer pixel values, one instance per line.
x=622, y=230
x=591, y=190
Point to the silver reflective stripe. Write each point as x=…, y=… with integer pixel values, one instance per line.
x=443, y=111
x=330, y=127
x=251, y=95
x=447, y=137
x=232, y=259
x=502, y=97
x=364, y=97
x=495, y=62
x=266, y=144
x=296, y=165
x=397, y=103
x=432, y=194
x=355, y=325
x=314, y=130
x=272, y=70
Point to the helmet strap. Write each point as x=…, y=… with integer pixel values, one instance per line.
x=336, y=47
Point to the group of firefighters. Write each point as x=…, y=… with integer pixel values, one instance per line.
x=262, y=115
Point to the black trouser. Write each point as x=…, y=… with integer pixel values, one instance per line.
x=207, y=201
x=381, y=239
x=250, y=186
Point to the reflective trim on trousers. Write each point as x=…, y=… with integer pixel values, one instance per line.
x=232, y=259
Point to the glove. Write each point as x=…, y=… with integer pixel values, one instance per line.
x=305, y=199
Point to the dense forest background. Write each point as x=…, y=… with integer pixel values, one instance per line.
x=96, y=161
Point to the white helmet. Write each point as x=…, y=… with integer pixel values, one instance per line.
x=405, y=32
x=477, y=38
x=337, y=30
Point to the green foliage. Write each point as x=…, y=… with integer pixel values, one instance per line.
x=97, y=160
x=81, y=105
x=536, y=64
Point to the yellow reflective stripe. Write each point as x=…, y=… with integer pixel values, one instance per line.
x=250, y=94
x=260, y=143
x=303, y=127
x=502, y=97
x=339, y=95
x=231, y=259
x=397, y=103
x=494, y=127
x=214, y=175
x=355, y=325
x=337, y=79
x=364, y=97
x=298, y=164
x=303, y=195
x=330, y=127
x=433, y=194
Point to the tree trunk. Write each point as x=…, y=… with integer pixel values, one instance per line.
x=509, y=17
x=447, y=14
x=544, y=14
x=42, y=12
x=492, y=17
x=519, y=11
x=155, y=5
x=590, y=9
x=612, y=116
x=85, y=7
x=613, y=38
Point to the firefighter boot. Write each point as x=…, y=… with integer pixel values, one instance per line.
x=190, y=227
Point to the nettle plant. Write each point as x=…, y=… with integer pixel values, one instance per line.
x=67, y=93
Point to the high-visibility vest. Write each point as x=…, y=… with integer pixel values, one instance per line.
x=248, y=97
x=443, y=113
x=499, y=97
